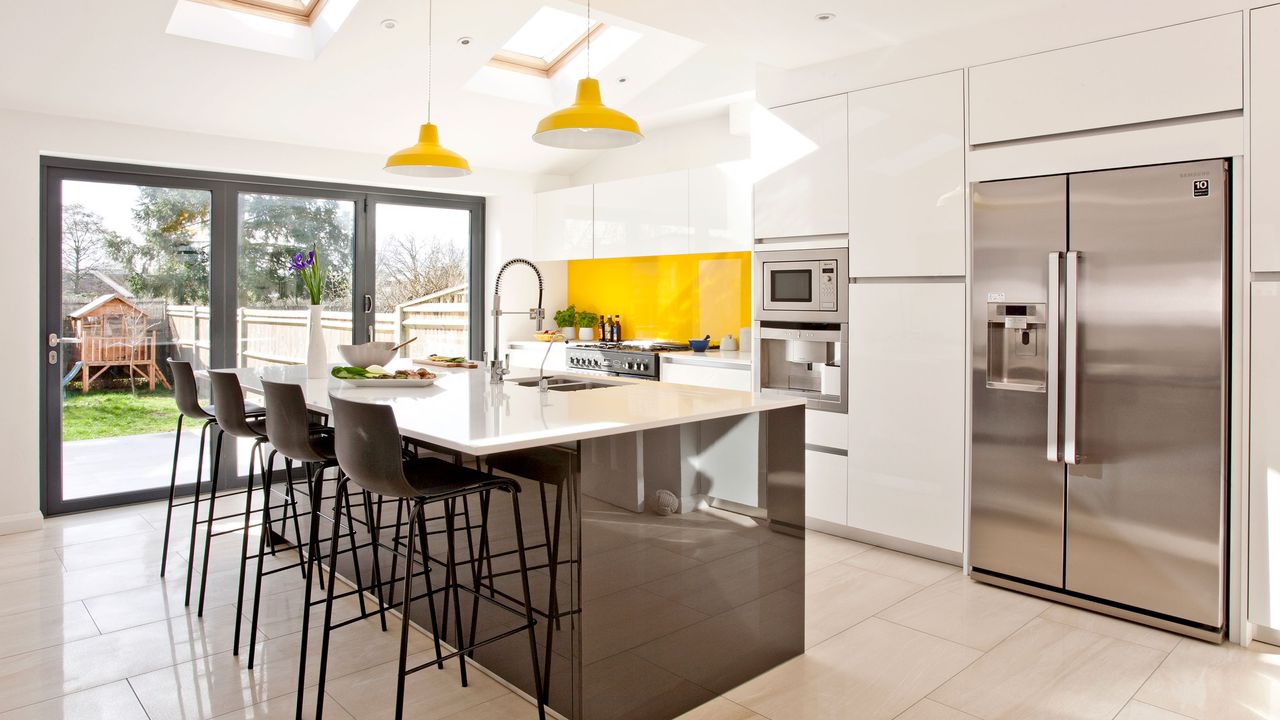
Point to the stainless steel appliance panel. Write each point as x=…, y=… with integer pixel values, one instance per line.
x=1145, y=492
x=1016, y=515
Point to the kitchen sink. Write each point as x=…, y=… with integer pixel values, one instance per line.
x=561, y=383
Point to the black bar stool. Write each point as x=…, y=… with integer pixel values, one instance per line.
x=295, y=438
x=186, y=397
x=367, y=445
x=558, y=467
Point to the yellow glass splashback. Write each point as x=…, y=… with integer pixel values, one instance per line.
x=667, y=297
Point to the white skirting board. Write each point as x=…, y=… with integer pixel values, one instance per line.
x=928, y=552
x=24, y=522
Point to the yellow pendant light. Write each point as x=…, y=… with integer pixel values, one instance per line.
x=427, y=157
x=588, y=124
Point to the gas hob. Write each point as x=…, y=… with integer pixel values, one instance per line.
x=633, y=358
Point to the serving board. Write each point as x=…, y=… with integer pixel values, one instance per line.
x=437, y=363
x=389, y=382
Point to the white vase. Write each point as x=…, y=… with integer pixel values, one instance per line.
x=317, y=358
x=586, y=333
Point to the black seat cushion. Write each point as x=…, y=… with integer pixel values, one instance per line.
x=550, y=465
x=433, y=476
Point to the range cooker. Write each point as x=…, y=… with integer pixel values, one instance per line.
x=633, y=358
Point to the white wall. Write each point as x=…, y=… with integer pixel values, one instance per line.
x=28, y=135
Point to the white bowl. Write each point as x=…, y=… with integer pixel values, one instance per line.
x=366, y=354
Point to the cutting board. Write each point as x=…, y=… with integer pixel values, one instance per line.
x=436, y=363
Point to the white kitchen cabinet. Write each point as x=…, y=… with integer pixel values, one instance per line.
x=720, y=209
x=564, y=224
x=906, y=178
x=529, y=356
x=826, y=429
x=1179, y=71
x=906, y=411
x=826, y=486
x=724, y=378
x=806, y=145
x=1264, y=461
x=642, y=216
x=1264, y=137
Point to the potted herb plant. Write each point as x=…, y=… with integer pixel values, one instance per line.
x=308, y=269
x=586, y=324
x=567, y=319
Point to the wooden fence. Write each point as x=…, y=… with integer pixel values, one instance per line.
x=267, y=336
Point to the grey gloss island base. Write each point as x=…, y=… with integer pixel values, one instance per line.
x=661, y=613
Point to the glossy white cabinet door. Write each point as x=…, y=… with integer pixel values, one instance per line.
x=1177, y=71
x=720, y=209
x=643, y=216
x=826, y=486
x=1264, y=135
x=828, y=429
x=563, y=224
x=808, y=193
x=1264, y=444
x=906, y=411
x=906, y=178
x=701, y=375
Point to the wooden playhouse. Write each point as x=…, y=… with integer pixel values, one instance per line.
x=114, y=332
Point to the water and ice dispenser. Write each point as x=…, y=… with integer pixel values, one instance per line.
x=1016, y=346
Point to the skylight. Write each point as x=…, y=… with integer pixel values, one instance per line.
x=302, y=12
x=549, y=39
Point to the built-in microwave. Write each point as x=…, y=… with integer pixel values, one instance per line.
x=802, y=285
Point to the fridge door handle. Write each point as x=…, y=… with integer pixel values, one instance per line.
x=1070, y=451
x=1051, y=355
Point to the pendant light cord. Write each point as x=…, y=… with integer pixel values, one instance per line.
x=430, y=9
x=588, y=38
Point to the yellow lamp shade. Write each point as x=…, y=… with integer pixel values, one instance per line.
x=428, y=158
x=587, y=124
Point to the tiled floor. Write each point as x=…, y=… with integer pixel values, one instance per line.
x=88, y=630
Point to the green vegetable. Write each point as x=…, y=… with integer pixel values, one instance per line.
x=354, y=373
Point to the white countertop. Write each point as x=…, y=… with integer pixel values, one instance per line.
x=710, y=357
x=463, y=411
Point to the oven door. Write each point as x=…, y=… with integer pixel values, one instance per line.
x=791, y=286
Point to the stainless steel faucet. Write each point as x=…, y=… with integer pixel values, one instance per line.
x=497, y=370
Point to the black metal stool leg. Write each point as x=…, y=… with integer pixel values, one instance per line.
x=415, y=515
x=451, y=578
x=426, y=574
x=244, y=540
x=173, y=486
x=208, y=528
x=328, y=608
x=528, y=609
x=371, y=524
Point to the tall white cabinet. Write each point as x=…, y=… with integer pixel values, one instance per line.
x=564, y=225
x=906, y=178
x=808, y=192
x=906, y=411
x=1264, y=137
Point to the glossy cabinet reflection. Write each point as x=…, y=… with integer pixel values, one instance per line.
x=564, y=226
x=1264, y=137
x=906, y=178
x=806, y=146
x=642, y=216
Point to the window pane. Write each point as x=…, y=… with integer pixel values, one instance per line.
x=423, y=263
x=271, y=311
x=135, y=292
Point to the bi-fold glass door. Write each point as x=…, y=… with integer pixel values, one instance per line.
x=142, y=265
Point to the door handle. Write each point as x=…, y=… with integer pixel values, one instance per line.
x=368, y=303
x=1051, y=380
x=1070, y=416
x=54, y=340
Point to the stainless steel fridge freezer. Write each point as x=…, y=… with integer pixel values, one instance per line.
x=1100, y=316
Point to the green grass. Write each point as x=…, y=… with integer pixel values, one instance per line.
x=101, y=414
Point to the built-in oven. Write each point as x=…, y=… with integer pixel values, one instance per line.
x=802, y=285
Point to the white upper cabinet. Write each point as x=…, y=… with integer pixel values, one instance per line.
x=720, y=209
x=1179, y=71
x=906, y=178
x=563, y=224
x=808, y=192
x=906, y=411
x=1264, y=135
x=643, y=216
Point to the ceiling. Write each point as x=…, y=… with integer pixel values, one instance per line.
x=366, y=90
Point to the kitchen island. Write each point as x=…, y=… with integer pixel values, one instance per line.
x=661, y=612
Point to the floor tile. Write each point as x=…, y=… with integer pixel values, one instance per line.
x=1217, y=682
x=504, y=707
x=142, y=546
x=1113, y=627
x=720, y=709
x=821, y=550
x=285, y=706
x=1141, y=711
x=44, y=628
x=28, y=565
x=873, y=671
x=967, y=612
x=1047, y=669
x=839, y=596
x=62, y=588
x=45, y=674
x=428, y=695
x=85, y=528
x=929, y=710
x=114, y=701
x=902, y=566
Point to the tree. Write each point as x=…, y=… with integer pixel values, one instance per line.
x=84, y=243
x=170, y=258
x=410, y=268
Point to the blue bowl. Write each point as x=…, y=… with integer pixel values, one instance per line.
x=699, y=345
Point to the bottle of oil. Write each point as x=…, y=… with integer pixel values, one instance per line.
x=600, y=329
x=607, y=334
x=617, y=328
